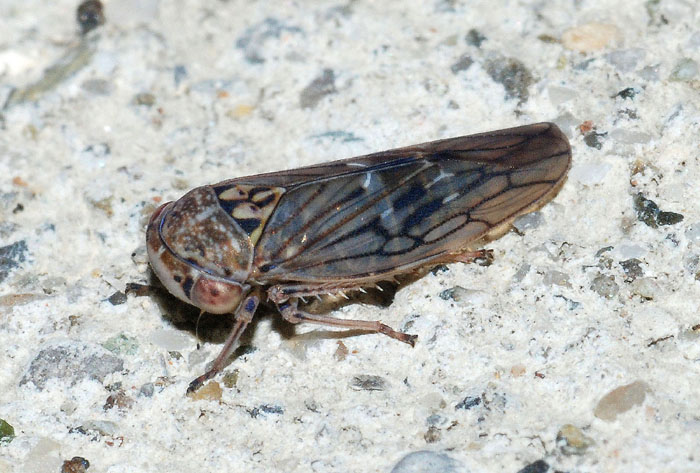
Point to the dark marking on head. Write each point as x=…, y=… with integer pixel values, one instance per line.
x=177, y=278
x=187, y=286
x=228, y=205
x=249, y=225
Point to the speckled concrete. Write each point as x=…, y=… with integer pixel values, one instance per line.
x=577, y=349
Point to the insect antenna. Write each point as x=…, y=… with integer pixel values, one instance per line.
x=196, y=327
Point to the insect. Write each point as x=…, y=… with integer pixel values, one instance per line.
x=345, y=225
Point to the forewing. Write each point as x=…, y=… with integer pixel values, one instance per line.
x=390, y=212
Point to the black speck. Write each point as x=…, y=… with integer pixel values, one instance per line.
x=18, y=208
x=628, y=93
x=366, y=382
x=117, y=298
x=265, y=409
x=441, y=268
x=475, y=38
x=90, y=15
x=593, y=139
x=468, y=402
x=540, y=466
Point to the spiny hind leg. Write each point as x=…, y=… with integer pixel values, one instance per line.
x=292, y=314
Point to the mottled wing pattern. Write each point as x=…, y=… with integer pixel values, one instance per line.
x=390, y=212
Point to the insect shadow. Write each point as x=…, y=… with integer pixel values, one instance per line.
x=213, y=328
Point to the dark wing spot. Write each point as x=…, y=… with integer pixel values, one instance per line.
x=421, y=213
x=410, y=196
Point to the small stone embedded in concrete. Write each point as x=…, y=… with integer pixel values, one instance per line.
x=71, y=362
x=540, y=466
x=426, y=461
x=594, y=139
x=432, y=435
x=90, y=15
x=605, y=286
x=122, y=344
x=556, y=278
x=209, y=392
x=147, y=390
x=685, y=70
x=589, y=37
x=11, y=256
x=117, y=298
x=146, y=99
x=105, y=428
x=513, y=75
x=320, y=87
x=626, y=60
x=646, y=288
x=468, y=402
x=528, y=221
x=7, y=432
x=230, y=378
x=265, y=409
x=366, y=382
x=651, y=215
x=632, y=269
x=621, y=400
x=75, y=465
x=572, y=441
x=462, y=64
x=627, y=93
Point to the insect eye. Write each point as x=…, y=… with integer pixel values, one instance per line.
x=216, y=296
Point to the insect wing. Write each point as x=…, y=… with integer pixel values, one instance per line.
x=394, y=211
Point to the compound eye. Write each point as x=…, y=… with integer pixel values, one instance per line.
x=216, y=296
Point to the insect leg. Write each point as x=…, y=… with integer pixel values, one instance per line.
x=242, y=317
x=482, y=257
x=291, y=314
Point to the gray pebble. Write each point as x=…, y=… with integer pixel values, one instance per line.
x=71, y=362
x=427, y=462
